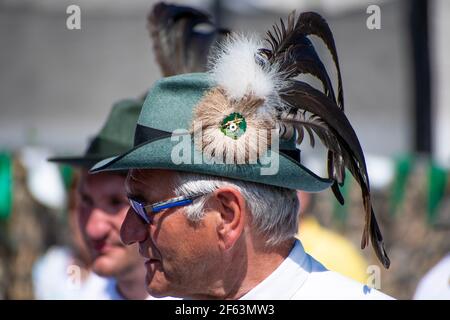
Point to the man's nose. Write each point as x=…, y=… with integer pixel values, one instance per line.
x=133, y=229
x=97, y=226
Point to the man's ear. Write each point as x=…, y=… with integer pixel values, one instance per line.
x=232, y=209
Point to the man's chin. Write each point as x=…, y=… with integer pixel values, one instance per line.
x=157, y=285
x=105, y=266
x=159, y=292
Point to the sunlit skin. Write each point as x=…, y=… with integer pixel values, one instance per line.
x=218, y=257
x=102, y=207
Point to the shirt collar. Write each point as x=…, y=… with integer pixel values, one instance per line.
x=286, y=280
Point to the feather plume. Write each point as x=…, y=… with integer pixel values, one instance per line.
x=248, y=148
x=233, y=67
x=261, y=83
x=182, y=38
x=302, y=97
x=328, y=120
x=294, y=54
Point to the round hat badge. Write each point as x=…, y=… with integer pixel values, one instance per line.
x=233, y=125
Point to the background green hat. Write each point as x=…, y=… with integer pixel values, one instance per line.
x=168, y=107
x=114, y=138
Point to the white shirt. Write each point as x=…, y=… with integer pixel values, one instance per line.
x=300, y=276
x=110, y=292
x=55, y=278
x=436, y=283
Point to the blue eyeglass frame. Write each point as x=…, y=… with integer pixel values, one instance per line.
x=141, y=209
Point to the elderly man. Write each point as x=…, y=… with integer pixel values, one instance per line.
x=101, y=206
x=213, y=185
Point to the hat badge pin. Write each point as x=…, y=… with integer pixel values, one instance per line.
x=233, y=125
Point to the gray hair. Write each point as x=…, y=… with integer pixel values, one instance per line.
x=274, y=210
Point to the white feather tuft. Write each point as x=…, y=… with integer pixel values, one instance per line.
x=234, y=68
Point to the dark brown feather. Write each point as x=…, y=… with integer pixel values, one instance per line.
x=311, y=23
x=336, y=170
x=296, y=59
x=179, y=44
x=336, y=133
x=294, y=53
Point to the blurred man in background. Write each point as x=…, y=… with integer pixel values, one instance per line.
x=64, y=271
x=101, y=206
x=101, y=199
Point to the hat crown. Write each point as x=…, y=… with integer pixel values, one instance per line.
x=116, y=135
x=170, y=103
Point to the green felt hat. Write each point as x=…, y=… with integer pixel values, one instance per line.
x=114, y=138
x=168, y=107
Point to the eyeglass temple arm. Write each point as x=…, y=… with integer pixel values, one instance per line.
x=170, y=204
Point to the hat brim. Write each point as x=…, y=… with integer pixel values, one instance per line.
x=81, y=162
x=157, y=154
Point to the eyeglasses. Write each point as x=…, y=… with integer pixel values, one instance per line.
x=141, y=209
